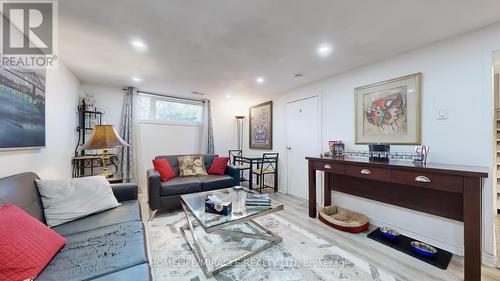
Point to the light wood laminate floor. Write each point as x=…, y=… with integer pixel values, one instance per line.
x=399, y=264
x=393, y=261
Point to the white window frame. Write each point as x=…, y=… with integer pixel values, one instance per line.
x=152, y=110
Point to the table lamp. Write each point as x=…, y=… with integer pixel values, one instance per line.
x=104, y=137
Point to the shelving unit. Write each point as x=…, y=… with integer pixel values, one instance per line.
x=87, y=162
x=496, y=93
x=86, y=122
x=497, y=184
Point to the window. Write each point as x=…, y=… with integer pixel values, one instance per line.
x=144, y=107
x=164, y=109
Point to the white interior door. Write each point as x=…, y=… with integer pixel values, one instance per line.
x=302, y=132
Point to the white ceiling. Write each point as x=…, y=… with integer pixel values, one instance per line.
x=221, y=46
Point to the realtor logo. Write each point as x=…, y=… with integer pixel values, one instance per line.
x=28, y=33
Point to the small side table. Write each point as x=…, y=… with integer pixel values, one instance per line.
x=81, y=164
x=115, y=180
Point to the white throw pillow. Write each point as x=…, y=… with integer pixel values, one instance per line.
x=67, y=200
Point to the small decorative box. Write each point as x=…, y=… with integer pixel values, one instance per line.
x=218, y=207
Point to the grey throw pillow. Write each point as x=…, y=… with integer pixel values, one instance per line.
x=67, y=200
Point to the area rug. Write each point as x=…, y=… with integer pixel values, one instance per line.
x=300, y=256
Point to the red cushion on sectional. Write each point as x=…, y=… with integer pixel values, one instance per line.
x=163, y=167
x=26, y=244
x=218, y=166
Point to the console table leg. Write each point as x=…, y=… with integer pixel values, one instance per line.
x=327, y=193
x=312, y=191
x=472, y=229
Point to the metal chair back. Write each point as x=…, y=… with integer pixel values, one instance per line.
x=233, y=153
x=269, y=162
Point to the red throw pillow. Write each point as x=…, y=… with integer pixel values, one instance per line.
x=218, y=166
x=26, y=244
x=163, y=167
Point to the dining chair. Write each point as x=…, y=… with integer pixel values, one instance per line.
x=242, y=166
x=267, y=166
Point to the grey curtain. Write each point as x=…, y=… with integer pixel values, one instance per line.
x=210, y=148
x=126, y=154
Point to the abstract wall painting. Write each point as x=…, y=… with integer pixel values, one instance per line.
x=22, y=108
x=261, y=126
x=388, y=112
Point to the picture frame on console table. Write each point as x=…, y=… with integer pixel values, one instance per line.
x=389, y=112
x=261, y=126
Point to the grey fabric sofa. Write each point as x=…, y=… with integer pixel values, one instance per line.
x=109, y=245
x=166, y=195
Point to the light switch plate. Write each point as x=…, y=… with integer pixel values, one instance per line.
x=442, y=113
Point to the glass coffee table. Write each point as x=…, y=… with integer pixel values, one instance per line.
x=237, y=228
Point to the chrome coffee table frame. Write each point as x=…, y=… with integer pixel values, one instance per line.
x=194, y=245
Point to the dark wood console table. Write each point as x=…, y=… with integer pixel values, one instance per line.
x=449, y=191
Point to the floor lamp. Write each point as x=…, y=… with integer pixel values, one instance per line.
x=239, y=126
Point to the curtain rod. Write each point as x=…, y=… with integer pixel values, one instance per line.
x=168, y=96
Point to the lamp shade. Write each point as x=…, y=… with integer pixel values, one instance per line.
x=104, y=137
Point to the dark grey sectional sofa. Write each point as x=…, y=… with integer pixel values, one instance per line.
x=166, y=195
x=109, y=245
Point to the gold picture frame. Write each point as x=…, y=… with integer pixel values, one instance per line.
x=389, y=112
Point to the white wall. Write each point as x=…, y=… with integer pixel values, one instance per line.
x=53, y=161
x=225, y=131
x=456, y=75
x=108, y=99
x=164, y=139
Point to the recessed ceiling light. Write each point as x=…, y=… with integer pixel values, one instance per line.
x=228, y=96
x=139, y=44
x=136, y=79
x=260, y=80
x=324, y=50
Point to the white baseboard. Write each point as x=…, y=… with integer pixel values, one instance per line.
x=489, y=260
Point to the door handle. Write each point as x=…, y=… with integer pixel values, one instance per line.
x=366, y=172
x=422, y=179
x=288, y=147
